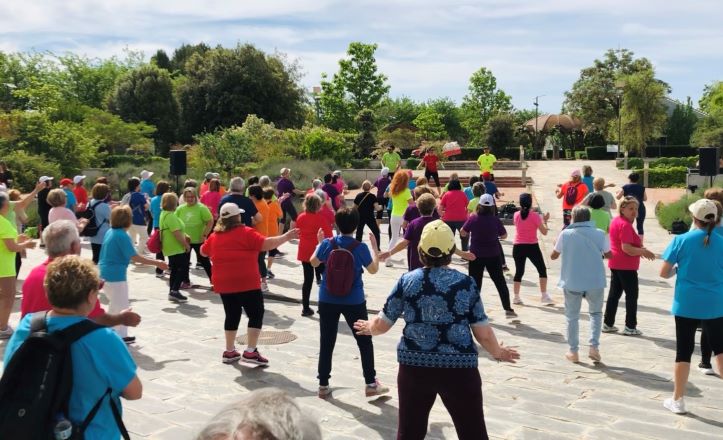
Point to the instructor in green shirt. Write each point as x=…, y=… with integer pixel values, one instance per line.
x=392, y=160
x=486, y=162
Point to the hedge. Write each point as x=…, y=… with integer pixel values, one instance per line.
x=669, y=177
x=673, y=151
x=678, y=210
x=663, y=162
x=599, y=153
x=113, y=160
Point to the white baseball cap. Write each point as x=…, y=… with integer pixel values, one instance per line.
x=487, y=200
x=145, y=174
x=704, y=209
x=44, y=179
x=78, y=179
x=230, y=209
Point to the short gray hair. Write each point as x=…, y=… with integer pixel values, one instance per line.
x=316, y=184
x=237, y=185
x=264, y=181
x=264, y=413
x=580, y=214
x=59, y=236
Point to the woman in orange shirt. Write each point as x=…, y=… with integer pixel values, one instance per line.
x=256, y=194
x=272, y=224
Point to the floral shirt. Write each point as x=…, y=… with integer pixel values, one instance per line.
x=438, y=305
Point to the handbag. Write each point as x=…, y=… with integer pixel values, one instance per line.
x=154, y=243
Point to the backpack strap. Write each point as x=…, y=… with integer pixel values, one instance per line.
x=353, y=246
x=38, y=322
x=76, y=331
x=116, y=415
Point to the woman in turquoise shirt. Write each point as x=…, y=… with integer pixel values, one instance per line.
x=161, y=188
x=101, y=211
x=697, y=258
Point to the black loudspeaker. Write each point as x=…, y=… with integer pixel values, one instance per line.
x=178, y=163
x=708, y=161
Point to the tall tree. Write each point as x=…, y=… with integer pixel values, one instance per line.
x=184, y=53
x=430, y=124
x=501, y=132
x=224, y=86
x=397, y=110
x=681, y=124
x=356, y=86
x=451, y=117
x=146, y=95
x=594, y=96
x=712, y=98
x=365, y=140
x=482, y=101
x=643, y=113
x=161, y=60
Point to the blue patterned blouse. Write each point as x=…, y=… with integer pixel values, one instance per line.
x=438, y=305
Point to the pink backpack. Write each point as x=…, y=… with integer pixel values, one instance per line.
x=340, y=269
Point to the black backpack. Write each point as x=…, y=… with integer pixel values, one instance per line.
x=92, y=227
x=36, y=384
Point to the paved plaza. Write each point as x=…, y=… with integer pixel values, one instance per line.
x=543, y=396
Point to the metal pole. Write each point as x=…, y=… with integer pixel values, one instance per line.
x=536, y=108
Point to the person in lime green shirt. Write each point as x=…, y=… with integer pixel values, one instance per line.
x=175, y=244
x=486, y=161
x=391, y=159
x=199, y=222
x=598, y=215
x=400, y=196
x=478, y=189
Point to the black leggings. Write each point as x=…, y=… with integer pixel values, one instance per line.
x=263, y=270
x=429, y=175
x=251, y=301
x=685, y=329
x=521, y=252
x=95, y=248
x=705, y=348
x=383, y=202
x=200, y=259
x=18, y=263
x=494, y=268
x=308, y=282
x=623, y=281
x=457, y=226
x=371, y=223
x=179, y=270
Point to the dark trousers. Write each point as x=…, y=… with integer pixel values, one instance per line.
x=685, y=329
x=432, y=175
x=383, y=202
x=623, y=281
x=205, y=262
x=233, y=303
x=95, y=248
x=461, y=393
x=457, y=226
x=308, y=282
x=18, y=263
x=318, y=271
x=262, y=265
x=372, y=224
x=705, y=349
x=329, y=327
x=494, y=269
x=159, y=256
x=179, y=270
x=521, y=252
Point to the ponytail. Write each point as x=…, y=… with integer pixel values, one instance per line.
x=709, y=227
x=524, y=212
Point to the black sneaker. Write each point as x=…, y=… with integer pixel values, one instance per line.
x=307, y=312
x=177, y=296
x=270, y=275
x=129, y=339
x=318, y=281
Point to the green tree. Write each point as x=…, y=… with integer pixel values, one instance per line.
x=224, y=86
x=712, y=98
x=366, y=139
x=88, y=81
x=184, y=53
x=146, y=95
x=501, y=132
x=709, y=130
x=593, y=97
x=643, y=113
x=451, y=117
x=397, y=110
x=681, y=124
x=482, y=101
x=355, y=87
x=117, y=136
x=161, y=60
x=430, y=124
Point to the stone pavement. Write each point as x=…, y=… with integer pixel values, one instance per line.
x=541, y=397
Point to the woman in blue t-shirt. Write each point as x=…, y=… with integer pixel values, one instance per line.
x=139, y=204
x=442, y=310
x=697, y=259
x=352, y=306
x=638, y=191
x=101, y=212
x=155, y=207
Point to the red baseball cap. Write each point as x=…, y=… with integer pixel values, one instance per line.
x=65, y=181
x=486, y=175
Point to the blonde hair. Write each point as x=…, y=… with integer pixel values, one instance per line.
x=189, y=190
x=312, y=203
x=56, y=198
x=366, y=186
x=121, y=217
x=169, y=201
x=69, y=280
x=227, y=223
x=628, y=200
x=598, y=183
x=14, y=195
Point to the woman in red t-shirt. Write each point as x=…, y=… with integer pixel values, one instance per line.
x=431, y=162
x=627, y=248
x=453, y=207
x=234, y=249
x=309, y=223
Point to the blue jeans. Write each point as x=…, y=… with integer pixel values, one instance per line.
x=573, y=301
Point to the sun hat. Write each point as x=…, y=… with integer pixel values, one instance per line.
x=215, y=175
x=145, y=174
x=385, y=171
x=336, y=173
x=229, y=210
x=78, y=179
x=44, y=179
x=487, y=200
x=437, y=239
x=575, y=173
x=704, y=209
x=65, y=181
x=208, y=176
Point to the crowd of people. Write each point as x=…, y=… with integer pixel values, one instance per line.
x=236, y=234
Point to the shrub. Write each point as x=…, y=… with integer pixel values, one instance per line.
x=360, y=164
x=678, y=210
x=27, y=168
x=119, y=175
x=402, y=138
x=116, y=159
x=669, y=177
x=663, y=162
x=665, y=151
x=412, y=163
x=302, y=171
x=598, y=153
x=322, y=143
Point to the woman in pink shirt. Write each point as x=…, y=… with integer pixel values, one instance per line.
x=627, y=248
x=453, y=208
x=527, y=223
x=56, y=199
x=212, y=197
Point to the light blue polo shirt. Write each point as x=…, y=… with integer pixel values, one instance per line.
x=582, y=246
x=698, y=285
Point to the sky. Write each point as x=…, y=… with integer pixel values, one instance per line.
x=428, y=49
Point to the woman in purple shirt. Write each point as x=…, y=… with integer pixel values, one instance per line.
x=486, y=230
x=381, y=185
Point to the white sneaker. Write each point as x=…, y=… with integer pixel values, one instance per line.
x=264, y=286
x=389, y=263
x=627, y=331
x=7, y=333
x=675, y=406
x=546, y=300
x=706, y=369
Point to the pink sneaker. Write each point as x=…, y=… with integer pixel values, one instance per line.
x=230, y=356
x=255, y=357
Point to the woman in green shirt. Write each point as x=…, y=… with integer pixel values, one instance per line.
x=199, y=222
x=400, y=196
x=175, y=244
x=598, y=214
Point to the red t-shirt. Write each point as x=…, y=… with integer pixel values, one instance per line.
x=234, y=255
x=455, y=206
x=34, y=298
x=581, y=193
x=430, y=162
x=622, y=231
x=309, y=224
x=81, y=195
x=328, y=214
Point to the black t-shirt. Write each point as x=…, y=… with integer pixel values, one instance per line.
x=333, y=193
x=242, y=202
x=365, y=204
x=5, y=177
x=43, y=206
